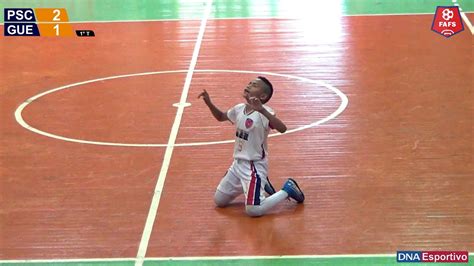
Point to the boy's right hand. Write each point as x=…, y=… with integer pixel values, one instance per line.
x=205, y=96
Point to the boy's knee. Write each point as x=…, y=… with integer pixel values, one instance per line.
x=253, y=211
x=220, y=200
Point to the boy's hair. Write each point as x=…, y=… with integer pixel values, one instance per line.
x=268, y=88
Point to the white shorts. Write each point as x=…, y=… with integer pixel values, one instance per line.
x=248, y=177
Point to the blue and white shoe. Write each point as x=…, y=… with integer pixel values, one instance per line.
x=293, y=190
x=269, y=188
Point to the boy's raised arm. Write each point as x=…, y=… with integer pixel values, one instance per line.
x=218, y=114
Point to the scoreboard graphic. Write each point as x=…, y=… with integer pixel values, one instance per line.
x=50, y=22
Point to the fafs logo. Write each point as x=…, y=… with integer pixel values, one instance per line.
x=447, y=21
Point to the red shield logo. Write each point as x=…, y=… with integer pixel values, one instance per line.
x=447, y=21
x=248, y=123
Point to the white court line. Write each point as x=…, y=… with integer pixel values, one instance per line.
x=468, y=23
x=155, y=202
x=331, y=256
x=231, y=18
x=464, y=17
x=67, y=260
x=272, y=257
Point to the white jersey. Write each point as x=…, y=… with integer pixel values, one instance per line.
x=251, y=133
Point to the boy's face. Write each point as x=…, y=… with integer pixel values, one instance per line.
x=255, y=89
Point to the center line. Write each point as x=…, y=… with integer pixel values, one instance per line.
x=155, y=202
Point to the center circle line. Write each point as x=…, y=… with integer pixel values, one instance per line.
x=23, y=123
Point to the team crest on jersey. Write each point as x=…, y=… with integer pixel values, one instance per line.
x=248, y=123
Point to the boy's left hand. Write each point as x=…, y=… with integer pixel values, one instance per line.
x=256, y=104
